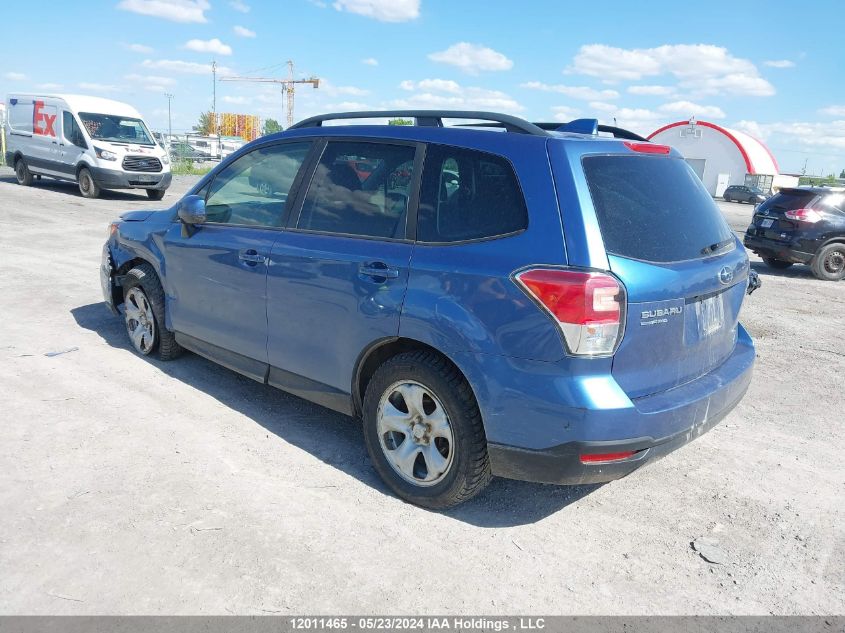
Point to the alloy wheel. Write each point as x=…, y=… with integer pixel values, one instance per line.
x=415, y=433
x=140, y=322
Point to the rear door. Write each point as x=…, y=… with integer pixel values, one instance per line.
x=337, y=278
x=684, y=271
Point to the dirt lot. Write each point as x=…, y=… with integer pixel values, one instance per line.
x=131, y=486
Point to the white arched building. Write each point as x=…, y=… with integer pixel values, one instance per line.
x=719, y=155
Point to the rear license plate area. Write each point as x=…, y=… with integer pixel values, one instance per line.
x=766, y=223
x=710, y=315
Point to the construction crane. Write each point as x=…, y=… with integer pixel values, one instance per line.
x=288, y=87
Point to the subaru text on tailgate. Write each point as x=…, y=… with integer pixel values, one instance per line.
x=547, y=302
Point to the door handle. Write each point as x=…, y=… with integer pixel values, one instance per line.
x=378, y=269
x=251, y=256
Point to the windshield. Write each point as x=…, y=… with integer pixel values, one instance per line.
x=654, y=208
x=116, y=129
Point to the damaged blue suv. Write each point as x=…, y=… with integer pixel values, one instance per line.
x=549, y=302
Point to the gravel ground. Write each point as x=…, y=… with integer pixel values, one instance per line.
x=130, y=486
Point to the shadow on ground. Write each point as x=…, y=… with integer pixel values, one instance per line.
x=333, y=438
x=796, y=271
x=71, y=188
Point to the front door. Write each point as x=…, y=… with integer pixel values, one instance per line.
x=217, y=277
x=337, y=280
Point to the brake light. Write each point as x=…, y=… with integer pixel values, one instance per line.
x=648, y=148
x=589, y=307
x=804, y=215
x=603, y=458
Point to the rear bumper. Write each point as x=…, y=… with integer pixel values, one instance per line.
x=799, y=250
x=114, y=179
x=653, y=426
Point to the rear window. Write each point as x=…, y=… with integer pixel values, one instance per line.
x=789, y=199
x=654, y=208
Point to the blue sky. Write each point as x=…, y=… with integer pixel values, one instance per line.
x=774, y=70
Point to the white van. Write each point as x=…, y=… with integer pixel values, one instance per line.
x=98, y=143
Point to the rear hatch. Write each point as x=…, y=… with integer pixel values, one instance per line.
x=684, y=270
x=769, y=219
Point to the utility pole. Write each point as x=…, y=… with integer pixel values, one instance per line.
x=288, y=87
x=169, y=121
x=214, y=131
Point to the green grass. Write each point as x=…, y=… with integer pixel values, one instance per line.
x=187, y=168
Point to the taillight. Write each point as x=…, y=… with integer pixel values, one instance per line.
x=589, y=307
x=804, y=215
x=647, y=148
x=603, y=458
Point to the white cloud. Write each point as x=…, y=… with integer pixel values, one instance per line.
x=95, y=87
x=700, y=68
x=328, y=89
x=237, y=100
x=800, y=135
x=688, y=109
x=213, y=45
x=173, y=10
x=139, y=48
x=584, y=93
x=565, y=113
x=780, y=63
x=639, y=120
x=657, y=91
x=151, y=79
x=461, y=98
x=49, y=86
x=12, y=76
x=370, y=61
x=435, y=85
x=472, y=58
x=834, y=110
x=382, y=10
x=242, y=31
x=179, y=66
x=237, y=5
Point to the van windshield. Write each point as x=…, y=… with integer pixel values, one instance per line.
x=116, y=129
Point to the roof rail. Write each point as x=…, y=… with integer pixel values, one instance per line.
x=430, y=118
x=553, y=126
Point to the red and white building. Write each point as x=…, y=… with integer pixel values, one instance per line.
x=723, y=156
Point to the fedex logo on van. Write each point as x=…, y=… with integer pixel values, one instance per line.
x=43, y=123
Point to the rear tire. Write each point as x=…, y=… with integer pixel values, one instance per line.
x=22, y=173
x=87, y=187
x=727, y=198
x=777, y=264
x=829, y=262
x=155, y=194
x=144, y=314
x=429, y=447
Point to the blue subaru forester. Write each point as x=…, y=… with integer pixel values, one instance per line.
x=550, y=302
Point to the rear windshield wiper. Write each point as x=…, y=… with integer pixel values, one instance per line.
x=712, y=248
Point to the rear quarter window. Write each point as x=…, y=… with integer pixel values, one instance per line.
x=788, y=200
x=654, y=208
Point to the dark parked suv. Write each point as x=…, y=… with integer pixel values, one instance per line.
x=741, y=193
x=544, y=304
x=805, y=225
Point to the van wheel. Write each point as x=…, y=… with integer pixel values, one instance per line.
x=22, y=173
x=87, y=187
x=155, y=194
x=777, y=264
x=829, y=263
x=143, y=312
x=424, y=432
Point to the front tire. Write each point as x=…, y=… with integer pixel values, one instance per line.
x=829, y=262
x=777, y=264
x=87, y=187
x=155, y=194
x=143, y=311
x=22, y=173
x=423, y=431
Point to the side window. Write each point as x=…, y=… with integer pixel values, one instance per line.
x=71, y=130
x=468, y=195
x=360, y=189
x=254, y=189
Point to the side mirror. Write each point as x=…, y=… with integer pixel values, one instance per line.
x=191, y=211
